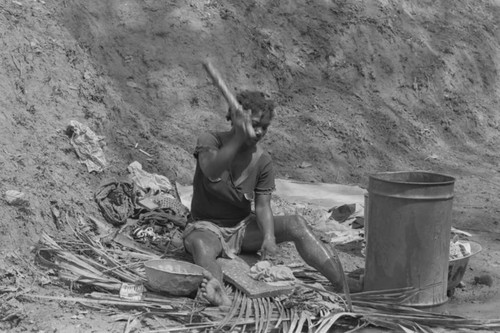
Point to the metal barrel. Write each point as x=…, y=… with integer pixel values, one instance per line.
x=408, y=234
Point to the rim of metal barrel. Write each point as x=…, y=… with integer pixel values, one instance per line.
x=381, y=176
x=412, y=185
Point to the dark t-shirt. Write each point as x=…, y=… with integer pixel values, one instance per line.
x=223, y=202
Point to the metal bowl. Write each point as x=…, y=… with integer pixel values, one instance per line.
x=175, y=277
x=456, y=267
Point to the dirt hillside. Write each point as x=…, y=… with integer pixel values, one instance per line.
x=362, y=87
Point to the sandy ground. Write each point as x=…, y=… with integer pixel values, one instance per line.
x=362, y=87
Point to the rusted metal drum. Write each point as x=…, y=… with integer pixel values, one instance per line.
x=408, y=234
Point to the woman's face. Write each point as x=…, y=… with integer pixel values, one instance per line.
x=260, y=124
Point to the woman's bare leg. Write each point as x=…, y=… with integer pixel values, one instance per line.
x=316, y=254
x=205, y=247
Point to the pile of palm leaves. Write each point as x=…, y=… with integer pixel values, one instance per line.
x=83, y=260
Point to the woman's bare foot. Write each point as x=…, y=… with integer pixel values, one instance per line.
x=212, y=290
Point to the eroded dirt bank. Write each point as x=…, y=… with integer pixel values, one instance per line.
x=362, y=87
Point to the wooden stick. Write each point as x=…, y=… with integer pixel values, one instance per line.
x=219, y=83
x=145, y=153
x=231, y=100
x=99, y=301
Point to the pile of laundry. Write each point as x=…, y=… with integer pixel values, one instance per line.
x=146, y=206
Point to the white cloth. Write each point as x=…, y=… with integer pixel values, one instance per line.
x=267, y=272
x=147, y=182
x=87, y=146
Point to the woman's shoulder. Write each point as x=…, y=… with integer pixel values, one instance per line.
x=213, y=137
x=265, y=157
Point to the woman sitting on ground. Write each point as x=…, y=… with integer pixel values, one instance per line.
x=232, y=171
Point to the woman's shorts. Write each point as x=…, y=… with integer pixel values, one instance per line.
x=230, y=238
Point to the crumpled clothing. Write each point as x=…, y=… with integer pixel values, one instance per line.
x=161, y=218
x=87, y=146
x=150, y=183
x=267, y=272
x=173, y=206
x=166, y=237
x=116, y=200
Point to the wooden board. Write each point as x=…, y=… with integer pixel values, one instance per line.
x=236, y=272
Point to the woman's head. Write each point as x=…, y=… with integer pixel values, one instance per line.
x=257, y=102
x=262, y=111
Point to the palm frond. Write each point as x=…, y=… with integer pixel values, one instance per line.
x=241, y=310
x=234, y=308
x=360, y=326
x=423, y=329
x=83, y=259
x=269, y=306
x=248, y=313
x=281, y=311
x=287, y=323
x=309, y=324
x=302, y=320
x=265, y=316
x=294, y=320
x=329, y=321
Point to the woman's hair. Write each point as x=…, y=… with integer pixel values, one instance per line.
x=255, y=101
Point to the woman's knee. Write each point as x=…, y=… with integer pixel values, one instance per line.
x=202, y=244
x=297, y=225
